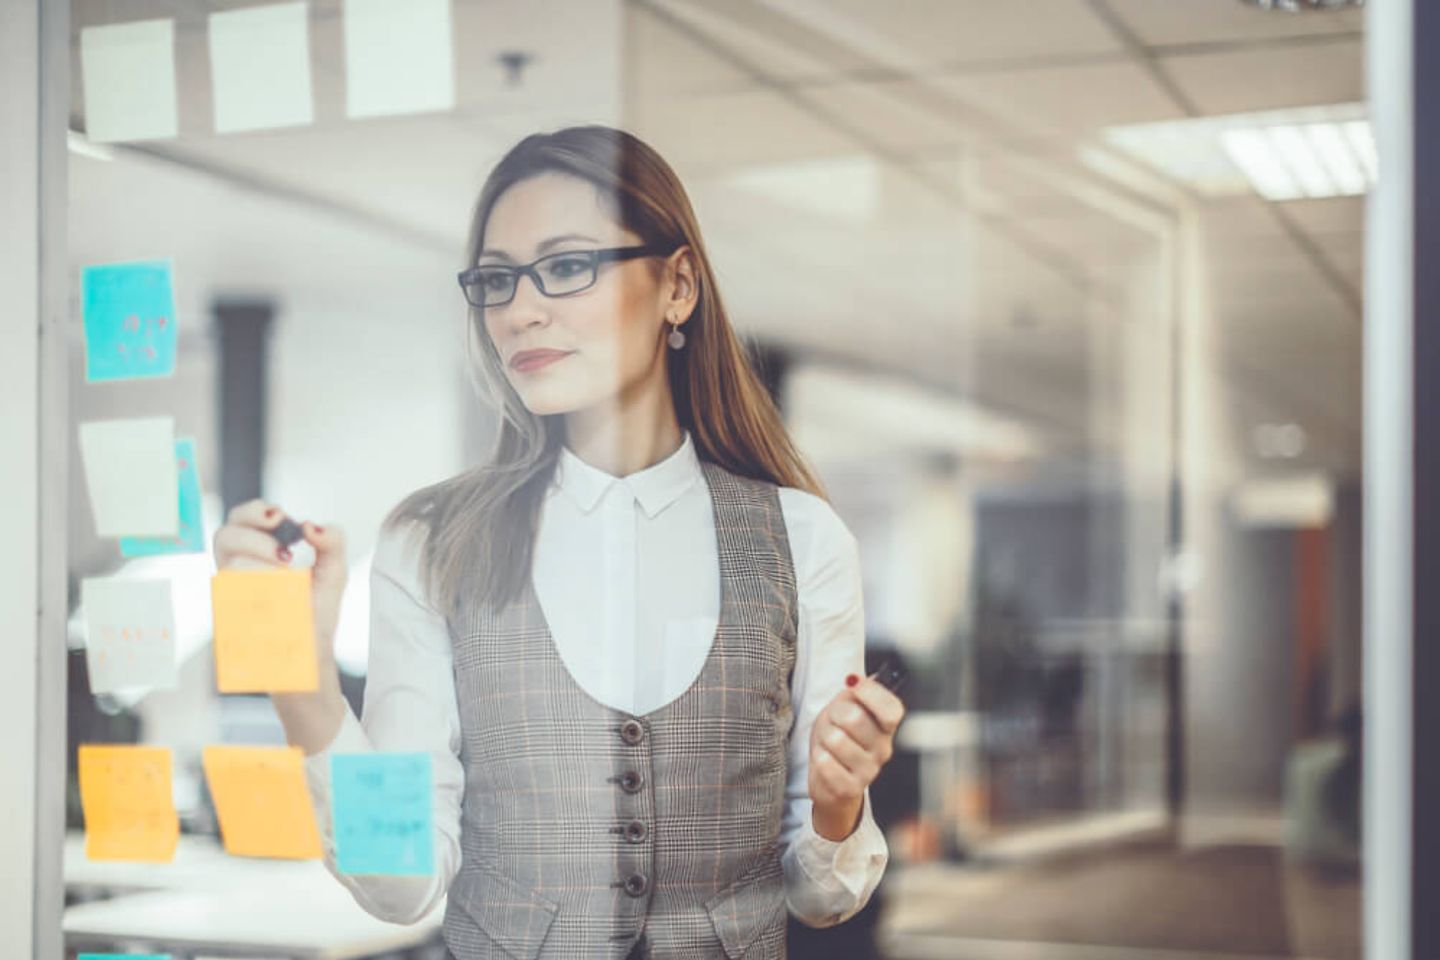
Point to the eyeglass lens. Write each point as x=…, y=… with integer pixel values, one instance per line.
x=559, y=274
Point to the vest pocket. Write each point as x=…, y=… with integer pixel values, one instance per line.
x=514, y=916
x=743, y=910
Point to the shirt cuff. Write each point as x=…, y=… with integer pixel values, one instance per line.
x=850, y=861
x=350, y=738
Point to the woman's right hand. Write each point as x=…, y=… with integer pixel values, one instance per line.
x=246, y=542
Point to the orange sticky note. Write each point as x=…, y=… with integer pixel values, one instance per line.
x=262, y=802
x=264, y=631
x=125, y=796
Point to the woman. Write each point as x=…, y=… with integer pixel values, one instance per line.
x=625, y=640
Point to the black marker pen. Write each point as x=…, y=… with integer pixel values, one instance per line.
x=288, y=532
x=891, y=676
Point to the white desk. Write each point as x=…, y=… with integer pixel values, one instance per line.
x=200, y=864
x=207, y=902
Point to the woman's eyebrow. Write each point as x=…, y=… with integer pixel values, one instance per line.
x=543, y=246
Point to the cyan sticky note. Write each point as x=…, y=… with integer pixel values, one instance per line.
x=124, y=956
x=191, y=538
x=380, y=808
x=129, y=320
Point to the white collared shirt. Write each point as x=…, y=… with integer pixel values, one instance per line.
x=635, y=557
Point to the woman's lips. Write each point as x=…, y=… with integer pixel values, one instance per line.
x=529, y=360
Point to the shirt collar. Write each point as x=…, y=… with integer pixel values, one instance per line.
x=655, y=487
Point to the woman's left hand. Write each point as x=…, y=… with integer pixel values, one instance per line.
x=853, y=737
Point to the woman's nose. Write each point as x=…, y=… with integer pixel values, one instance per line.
x=527, y=307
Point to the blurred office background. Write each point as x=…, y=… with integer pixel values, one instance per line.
x=1062, y=298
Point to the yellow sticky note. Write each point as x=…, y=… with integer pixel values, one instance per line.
x=125, y=796
x=262, y=802
x=264, y=631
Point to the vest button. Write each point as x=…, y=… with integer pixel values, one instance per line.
x=631, y=781
x=635, y=831
x=636, y=884
x=631, y=732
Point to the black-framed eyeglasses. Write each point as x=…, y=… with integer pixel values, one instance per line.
x=554, y=275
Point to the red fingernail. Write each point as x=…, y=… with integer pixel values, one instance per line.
x=284, y=554
x=318, y=528
x=852, y=679
x=271, y=512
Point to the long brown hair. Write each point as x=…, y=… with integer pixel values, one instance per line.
x=480, y=524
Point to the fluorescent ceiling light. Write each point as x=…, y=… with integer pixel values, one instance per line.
x=1311, y=152
x=1251, y=152
x=1341, y=162
x=1294, y=148
x=1362, y=141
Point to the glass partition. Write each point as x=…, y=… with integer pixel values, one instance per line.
x=1060, y=303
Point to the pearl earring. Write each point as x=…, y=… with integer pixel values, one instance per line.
x=676, y=338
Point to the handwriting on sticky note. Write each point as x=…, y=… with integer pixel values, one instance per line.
x=264, y=631
x=381, y=813
x=191, y=536
x=130, y=325
x=129, y=633
x=262, y=802
x=125, y=796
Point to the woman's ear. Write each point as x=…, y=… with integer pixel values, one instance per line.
x=684, y=283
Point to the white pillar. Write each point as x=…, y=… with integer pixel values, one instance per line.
x=19, y=467
x=1389, y=423
x=34, y=117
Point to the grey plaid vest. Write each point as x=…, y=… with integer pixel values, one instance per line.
x=584, y=826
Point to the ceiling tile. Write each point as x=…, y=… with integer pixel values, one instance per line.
x=763, y=43
x=1211, y=21
x=935, y=33
x=663, y=61
x=727, y=131
x=578, y=66
x=1067, y=102
x=1249, y=80
x=1243, y=216
x=892, y=115
x=1336, y=215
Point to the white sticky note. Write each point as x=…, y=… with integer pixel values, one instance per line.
x=398, y=57
x=130, y=474
x=260, y=67
x=129, y=633
x=128, y=76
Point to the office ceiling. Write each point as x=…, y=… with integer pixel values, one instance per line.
x=897, y=186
